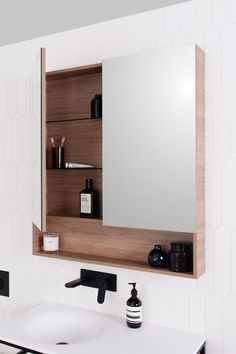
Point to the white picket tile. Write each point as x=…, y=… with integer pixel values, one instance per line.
x=221, y=126
x=171, y=20
x=228, y=57
x=214, y=324
x=229, y=193
x=166, y=302
x=213, y=193
x=213, y=55
x=233, y=270
x=156, y=28
x=197, y=312
x=222, y=261
x=233, y=125
x=220, y=12
x=187, y=16
x=233, y=10
x=208, y=128
x=181, y=308
x=203, y=14
x=229, y=321
x=12, y=94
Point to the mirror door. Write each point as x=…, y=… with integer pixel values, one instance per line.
x=149, y=151
x=37, y=137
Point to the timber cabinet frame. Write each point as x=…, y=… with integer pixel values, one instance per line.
x=66, y=112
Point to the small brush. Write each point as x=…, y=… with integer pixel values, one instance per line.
x=52, y=141
x=63, y=139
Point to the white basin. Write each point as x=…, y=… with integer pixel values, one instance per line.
x=86, y=332
x=57, y=324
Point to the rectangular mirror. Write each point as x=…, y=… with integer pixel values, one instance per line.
x=150, y=139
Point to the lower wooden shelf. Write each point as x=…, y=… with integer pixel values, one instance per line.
x=89, y=241
x=112, y=262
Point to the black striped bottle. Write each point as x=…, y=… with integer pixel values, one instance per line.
x=134, y=309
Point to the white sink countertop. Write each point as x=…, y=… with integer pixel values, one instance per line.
x=89, y=332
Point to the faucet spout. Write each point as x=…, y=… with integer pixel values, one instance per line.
x=77, y=282
x=103, y=285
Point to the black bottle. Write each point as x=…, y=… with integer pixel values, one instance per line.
x=157, y=257
x=181, y=257
x=88, y=201
x=96, y=107
x=134, y=309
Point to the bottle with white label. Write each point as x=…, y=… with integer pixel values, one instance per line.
x=134, y=309
x=88, y=201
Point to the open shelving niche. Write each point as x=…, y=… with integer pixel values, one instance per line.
x=69, y=93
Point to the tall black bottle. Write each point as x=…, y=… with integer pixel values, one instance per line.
x=96, y=107
x=134, y=309
x=89, y=201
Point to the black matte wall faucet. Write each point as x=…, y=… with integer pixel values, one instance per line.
x=103, y=281
x=76, y=282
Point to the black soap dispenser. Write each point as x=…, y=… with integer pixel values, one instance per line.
x=134, y=309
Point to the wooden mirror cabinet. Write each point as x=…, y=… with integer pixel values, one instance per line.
x=66, y=101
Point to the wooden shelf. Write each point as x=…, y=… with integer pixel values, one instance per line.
x=74, y=119
x=70, y=91
x=63, y=189
x=111, y=262
x=75, y=169
x=112, y=246
x=72, y=72
x=77, y=219
x=83, y=141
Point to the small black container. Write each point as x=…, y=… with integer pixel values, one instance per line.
x=181, y=257
x=58, y=157
x=157, y=257
x=96, y=107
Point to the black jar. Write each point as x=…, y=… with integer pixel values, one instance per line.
x=181, y=257
x=157, y=257
x=96, y=107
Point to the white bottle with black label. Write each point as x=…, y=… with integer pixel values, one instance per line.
x=134, y=309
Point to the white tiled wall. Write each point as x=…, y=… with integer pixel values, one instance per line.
x=207, y=305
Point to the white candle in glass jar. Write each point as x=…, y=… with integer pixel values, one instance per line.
x=50, y=242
